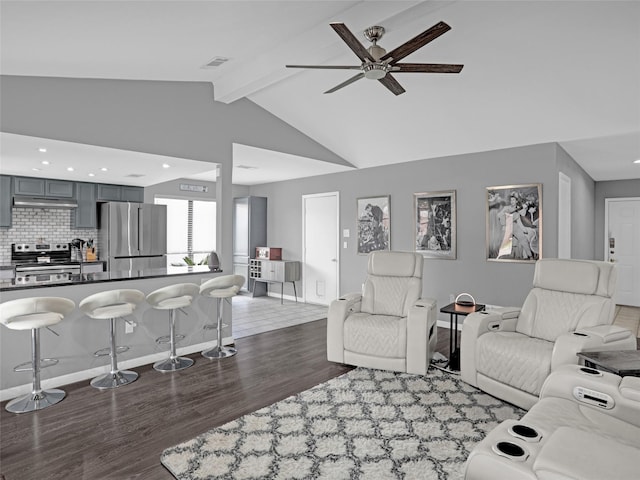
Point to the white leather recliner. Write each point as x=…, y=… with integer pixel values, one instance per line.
x=388, y=326
x=586, y=425
x=509, y=352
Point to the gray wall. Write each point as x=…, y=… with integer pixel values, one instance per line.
x=179, y=119
x=172, y=189
x=490, y=282
x=612, y=189
x=582, y=204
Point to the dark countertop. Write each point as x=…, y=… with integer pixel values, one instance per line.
x=97, y=277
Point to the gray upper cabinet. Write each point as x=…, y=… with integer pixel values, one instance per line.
x=5, y=201
x=58, y=188
x=41, y=187
x=86, y=214
x=133, y=194
x=109, y=193
x=28, y=186
x=120, y=193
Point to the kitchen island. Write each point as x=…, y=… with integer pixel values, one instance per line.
x=80, y=336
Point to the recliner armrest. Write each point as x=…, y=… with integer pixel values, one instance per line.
x=421, y=322
x=477, y=324
x=339, y=310
x=623, y=392
x=602, y=337
x=606, y=333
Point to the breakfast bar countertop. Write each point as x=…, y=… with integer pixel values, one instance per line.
x=111, y=276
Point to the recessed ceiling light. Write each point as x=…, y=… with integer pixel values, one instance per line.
x=36, y=169
x=45, y=162
x=42, y=150
x=69, y=169
x=165, y=165
x=104, y=169
x=92, y=174
x=636, y=161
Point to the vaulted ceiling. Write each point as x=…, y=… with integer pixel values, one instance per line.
x=534, y=72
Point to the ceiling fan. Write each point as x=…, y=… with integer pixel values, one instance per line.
x=377, y=63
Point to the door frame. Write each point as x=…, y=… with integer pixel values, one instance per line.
x=607, y=201
x=304, y=240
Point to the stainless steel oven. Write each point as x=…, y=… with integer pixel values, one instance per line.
x=43, y=263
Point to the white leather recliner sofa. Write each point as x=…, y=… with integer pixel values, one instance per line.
x=509, y=352
x=388, y=326
x=586, y=426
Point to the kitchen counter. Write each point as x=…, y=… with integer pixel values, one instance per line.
x=8, y=284
x=80, y=336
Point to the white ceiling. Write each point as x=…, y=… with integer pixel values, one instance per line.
x=535, y=72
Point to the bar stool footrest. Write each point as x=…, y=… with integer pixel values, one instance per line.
x=28, y=367
x=164, y=339
x=105, y=352
x=213, y=326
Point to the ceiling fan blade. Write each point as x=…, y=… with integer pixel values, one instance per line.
x=353, y=43
x=416, y=42
x=335, y=67
x=427, y=67
x=346, y=82
x=392, y=84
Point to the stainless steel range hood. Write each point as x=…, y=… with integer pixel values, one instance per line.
x=43, y=202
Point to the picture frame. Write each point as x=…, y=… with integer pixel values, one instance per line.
x=434, y=214
x=514, y=223
x=373, y=224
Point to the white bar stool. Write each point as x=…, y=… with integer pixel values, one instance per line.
x=220, y=288
x=112, y=305
x=34, y=314
x=172, y=298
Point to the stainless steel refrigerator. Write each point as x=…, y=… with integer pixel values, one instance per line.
x=132, y=236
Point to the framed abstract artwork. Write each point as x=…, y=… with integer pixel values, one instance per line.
x=373, y=224
x=434, y=214
x=514, y=223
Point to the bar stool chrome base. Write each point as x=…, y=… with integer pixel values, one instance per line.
x=35, y=401
x=114, y=379
x=173, y=364
x=221, y=352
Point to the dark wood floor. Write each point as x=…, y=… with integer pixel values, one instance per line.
x=120, y=434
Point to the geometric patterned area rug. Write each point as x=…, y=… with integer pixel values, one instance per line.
x=365, y=424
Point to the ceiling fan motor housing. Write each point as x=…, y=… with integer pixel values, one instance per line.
x=375, y=71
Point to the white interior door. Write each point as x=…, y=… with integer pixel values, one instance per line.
x=564, y=216
x=622, y=246
x=320, y=247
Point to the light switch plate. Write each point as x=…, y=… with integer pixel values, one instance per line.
x=346, y=233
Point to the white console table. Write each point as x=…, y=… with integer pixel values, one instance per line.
x=275, y=271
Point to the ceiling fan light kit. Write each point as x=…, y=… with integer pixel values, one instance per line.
x=377, y=63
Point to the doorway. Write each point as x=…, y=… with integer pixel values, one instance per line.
x=320, y=247
x=622, y=246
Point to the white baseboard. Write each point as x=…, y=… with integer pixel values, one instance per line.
x=285, y=296
x=74, y=377
x=446, y=324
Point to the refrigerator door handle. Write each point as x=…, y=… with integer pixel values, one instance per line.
x=140, y=229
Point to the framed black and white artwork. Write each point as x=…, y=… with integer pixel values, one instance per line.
x=514, y=223
x=434, y=214
x=374, y=224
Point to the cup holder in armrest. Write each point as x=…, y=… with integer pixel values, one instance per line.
x=510, y=450
x=590, y=371
x=524, y=432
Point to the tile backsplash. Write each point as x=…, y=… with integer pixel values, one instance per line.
x=30, y=225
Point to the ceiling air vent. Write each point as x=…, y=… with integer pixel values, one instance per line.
x=215, y=62
x=246, y=167
x=135, y=175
